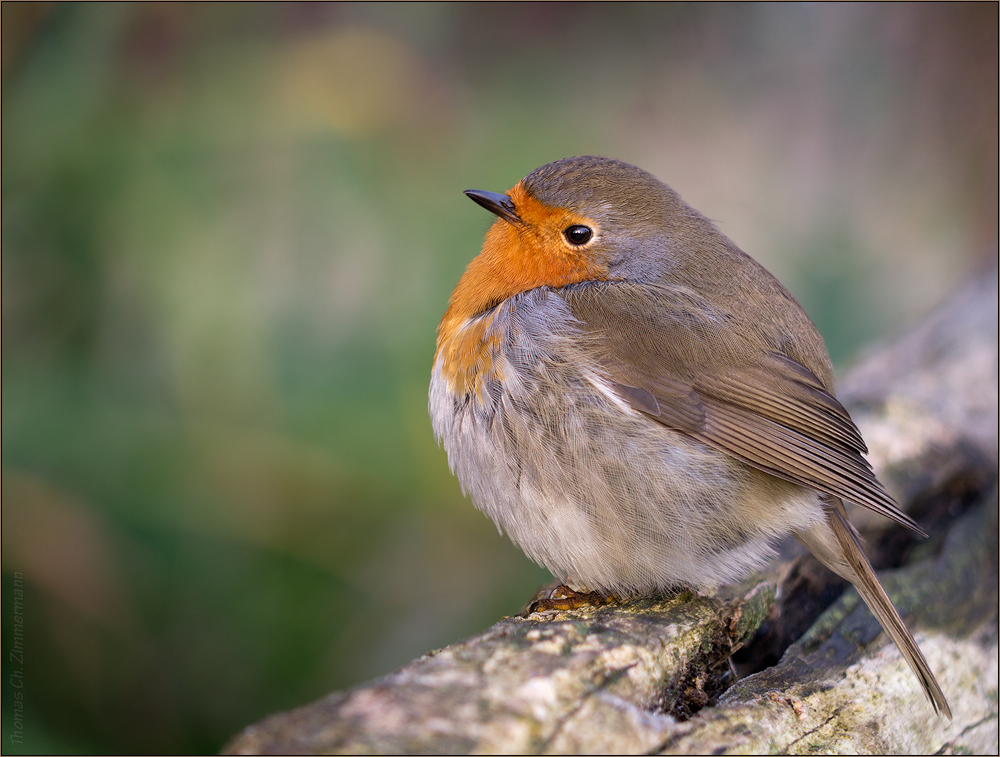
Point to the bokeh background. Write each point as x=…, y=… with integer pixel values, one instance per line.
x=228, y=234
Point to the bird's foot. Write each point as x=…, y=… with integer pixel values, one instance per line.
x=564, y=598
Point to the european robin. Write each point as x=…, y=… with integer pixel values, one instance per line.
x=639, y=404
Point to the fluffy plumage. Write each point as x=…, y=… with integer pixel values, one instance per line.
x=648, y=408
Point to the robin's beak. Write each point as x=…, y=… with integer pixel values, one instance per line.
x=502, y=205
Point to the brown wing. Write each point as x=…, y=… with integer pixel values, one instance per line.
x=675, y=359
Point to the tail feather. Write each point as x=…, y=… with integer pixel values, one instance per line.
x=878, y=602
x=845, y=558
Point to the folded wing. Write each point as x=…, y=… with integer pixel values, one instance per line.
x=673, y=358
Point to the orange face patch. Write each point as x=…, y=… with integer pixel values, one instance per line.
x=519, y=257
x=515, y=258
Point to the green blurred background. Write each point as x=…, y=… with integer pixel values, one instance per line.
x=229, y=232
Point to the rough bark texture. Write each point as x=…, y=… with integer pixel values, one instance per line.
x=646, y=676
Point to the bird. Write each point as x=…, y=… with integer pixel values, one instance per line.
x=639, y=404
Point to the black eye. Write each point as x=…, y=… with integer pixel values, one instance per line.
x=578, y=235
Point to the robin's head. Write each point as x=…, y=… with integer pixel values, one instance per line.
x=577, y=219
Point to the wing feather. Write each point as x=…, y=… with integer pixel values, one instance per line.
x=678, y=361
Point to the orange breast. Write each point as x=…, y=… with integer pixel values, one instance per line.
x=468, y=355
x=514, y=259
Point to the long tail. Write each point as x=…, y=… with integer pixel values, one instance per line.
x=854, y=566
